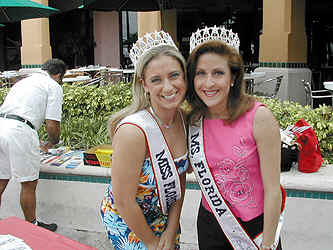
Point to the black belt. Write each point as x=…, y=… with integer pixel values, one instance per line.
x=18, y=118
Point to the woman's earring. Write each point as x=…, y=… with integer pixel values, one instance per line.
x=232, y=84
x=147, y=96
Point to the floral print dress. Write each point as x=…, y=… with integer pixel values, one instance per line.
x=118, y=232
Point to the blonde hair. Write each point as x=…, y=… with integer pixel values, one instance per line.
x=141, y=100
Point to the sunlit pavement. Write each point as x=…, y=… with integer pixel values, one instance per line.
x=308, y=225
x=74, y=206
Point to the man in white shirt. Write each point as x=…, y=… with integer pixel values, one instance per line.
x=29, y=103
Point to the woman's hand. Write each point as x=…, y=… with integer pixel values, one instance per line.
x=45, y=146
x=167, y=241
x=189, y=169
x=154, y=244
x=168, y=238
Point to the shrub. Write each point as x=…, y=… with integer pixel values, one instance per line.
x=3, y=93
x=82, y=132
x=321, y=119
x=95, y=101
x=87, y=109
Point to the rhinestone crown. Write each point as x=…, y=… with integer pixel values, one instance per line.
x=147, y=42
x=214, y=33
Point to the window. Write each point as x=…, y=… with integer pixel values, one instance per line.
x=129, y=32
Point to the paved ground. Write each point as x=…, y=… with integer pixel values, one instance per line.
x=308, y=225
x=308, y=222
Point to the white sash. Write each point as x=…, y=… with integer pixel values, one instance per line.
x=233, y=230
x=164, y=168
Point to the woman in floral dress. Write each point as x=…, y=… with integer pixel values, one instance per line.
x=137, y=211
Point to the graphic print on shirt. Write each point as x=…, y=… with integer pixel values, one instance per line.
x=233, y=176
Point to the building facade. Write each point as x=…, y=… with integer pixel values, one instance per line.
x=288, y=37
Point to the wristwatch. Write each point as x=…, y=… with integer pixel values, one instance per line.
x=271, y=247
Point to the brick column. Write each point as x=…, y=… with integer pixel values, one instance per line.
x=149, y=22
x=283, y=46
x=283, y=41
x=36, y=47
x=156, y=21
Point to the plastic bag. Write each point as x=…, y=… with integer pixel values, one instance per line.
x=289, y=149
x=309, y=156
x=289, y=156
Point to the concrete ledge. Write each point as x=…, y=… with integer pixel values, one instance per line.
x=72, y=204
x=320, y=181
x=76, y=204
x=79, y=170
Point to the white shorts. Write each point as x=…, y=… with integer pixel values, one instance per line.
x=19, y=151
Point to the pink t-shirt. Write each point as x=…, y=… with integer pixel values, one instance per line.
x=233, y=159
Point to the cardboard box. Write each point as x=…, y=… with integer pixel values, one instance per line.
x=99, y=156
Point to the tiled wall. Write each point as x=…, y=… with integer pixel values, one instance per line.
x=190, y=185
x=31, y=66
x=282, y=65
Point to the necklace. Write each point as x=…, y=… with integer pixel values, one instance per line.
x=164, y=125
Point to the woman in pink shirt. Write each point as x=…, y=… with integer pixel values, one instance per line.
x=235, y=149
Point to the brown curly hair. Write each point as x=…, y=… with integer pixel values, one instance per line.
x=238, y=101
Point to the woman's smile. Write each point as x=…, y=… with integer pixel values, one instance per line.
x=210, y=93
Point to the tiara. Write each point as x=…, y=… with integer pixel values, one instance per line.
x=149, y=41
x=214, y=33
